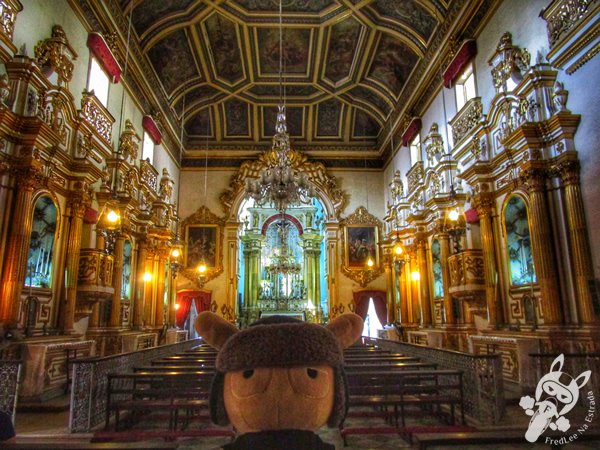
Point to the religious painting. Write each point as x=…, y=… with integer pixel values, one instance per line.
x=236, y=118
x=369, y=96
x=343, y=41
x=294, y=116
x=296, y=50
x=225, y=48
x=365, y=125
x=173, y=61
x=41, y=244
x=202, y=242
x=287, y=6
x=328, y=118
x=361, y=231
x=410, y=12
x=518, y=242
x=201, y=93
x=291, y=90
x=361, y=244
x=200, y=124
x=204, y=233
x=392, y=64
x=147, y=13
x=436, y=267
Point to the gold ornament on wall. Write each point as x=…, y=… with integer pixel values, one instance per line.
x=360, y=249
x=203, y=250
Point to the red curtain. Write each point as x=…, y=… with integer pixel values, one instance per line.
x=201, y=299
x=361, y=304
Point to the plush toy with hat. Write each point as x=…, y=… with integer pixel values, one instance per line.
x=280, y=379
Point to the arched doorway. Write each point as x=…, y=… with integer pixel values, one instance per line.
x=362, y=300
x=189, y=304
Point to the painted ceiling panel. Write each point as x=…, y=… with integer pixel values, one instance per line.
x=173, y=61
x=150, y=11
x=346, y=63
x=343, y=43
x=225, y=48
x=295, y=121
x=237, y=118
x=392, y=64
x=410, y=13
x=296, y=50
x=287, y=5
x=329, y=116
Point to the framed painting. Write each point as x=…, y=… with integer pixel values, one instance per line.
x=204, y=233
x=202, y=245
x=361, y=244
x=361, y=231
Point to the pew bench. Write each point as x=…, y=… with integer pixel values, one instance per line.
x=169, y=392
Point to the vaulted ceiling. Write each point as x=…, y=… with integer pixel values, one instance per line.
x=347, y=65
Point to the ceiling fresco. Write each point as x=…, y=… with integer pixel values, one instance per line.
x=347, y=64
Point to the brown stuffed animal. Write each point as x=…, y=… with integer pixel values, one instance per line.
x=280, y=379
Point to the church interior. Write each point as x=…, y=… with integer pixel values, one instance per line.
x=430, y=165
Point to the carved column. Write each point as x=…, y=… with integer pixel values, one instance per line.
x=159, y=317
x=389, y=289
x=18, y=247
x=332, y=230
x=115, y=308
x=231, y=231
x=252, y=245
x=424, y=283
x=542, y=245
x=404, y=294
x=140, y=285
x=444, y=240
x=580, y=246
x=485, y=208
x=77, y=206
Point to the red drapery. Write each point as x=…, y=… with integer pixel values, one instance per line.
x=201, y=299
x=361, y=304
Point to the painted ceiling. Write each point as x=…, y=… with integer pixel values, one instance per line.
x=346, y=65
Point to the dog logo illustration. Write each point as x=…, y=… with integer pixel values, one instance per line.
x=556, y=394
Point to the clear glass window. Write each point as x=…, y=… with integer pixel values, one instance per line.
x=126, y=283
x=465, y=88
x=98, y=81
x=148, y=148
x=436, y=256
x=415, y=150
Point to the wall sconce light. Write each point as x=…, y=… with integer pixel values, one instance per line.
x=177, y=306
x=370, y=263
x=453, y=214
x=176, y=255
x=201, y=269
x=147, y=277
x=113, y=217
x=415, y=275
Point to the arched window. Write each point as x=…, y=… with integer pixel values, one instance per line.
x=41, y=245
x=126, y=284
x=518, y=241
x=438, y=282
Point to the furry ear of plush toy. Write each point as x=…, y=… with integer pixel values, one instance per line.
x=280, y=379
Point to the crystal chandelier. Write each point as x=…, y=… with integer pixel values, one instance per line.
x=280, y=184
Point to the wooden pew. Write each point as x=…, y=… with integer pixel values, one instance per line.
x=140, y=392
x=401, y=388
x=495, y=437
x=62, y=445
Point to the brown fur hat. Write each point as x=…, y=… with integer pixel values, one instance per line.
x=280, y=341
